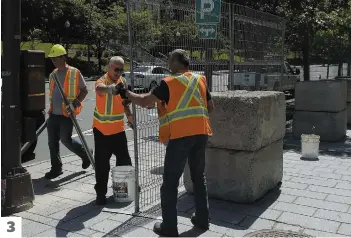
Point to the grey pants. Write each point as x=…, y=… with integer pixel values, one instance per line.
x=191, y=148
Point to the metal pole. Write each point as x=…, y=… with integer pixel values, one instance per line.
x=75, y=123
x=28, y=144
x=283, y=52
x=231, y=60
x=19, y=193
x=135, y=132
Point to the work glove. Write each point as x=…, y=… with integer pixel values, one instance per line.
x=126, y=102
x=72, y=106
x=112, y=89
x=76, y=103
x=122, y=90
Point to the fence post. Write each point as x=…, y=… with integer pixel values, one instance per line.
x=135, y=132
x=232, y=45
x=283, y=52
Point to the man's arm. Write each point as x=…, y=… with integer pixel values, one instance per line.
x=210, y=103
x=102, y=88
x=142, y=100
x=83, y=89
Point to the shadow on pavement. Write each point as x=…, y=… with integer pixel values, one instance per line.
x=80, y=215
x=43, y=186
x=234, y=215
x=193, y=232
x=226, y=214
x=111, y=204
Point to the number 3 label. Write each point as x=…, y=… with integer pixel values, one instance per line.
x=11, y=227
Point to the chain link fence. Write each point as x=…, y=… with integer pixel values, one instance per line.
x=243, y=41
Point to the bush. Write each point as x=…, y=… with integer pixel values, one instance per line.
x=104, y=61
x=78, y=54
x=106, y=54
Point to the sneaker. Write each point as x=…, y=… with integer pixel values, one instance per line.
x=52, y=174
x=161, y=231
x=202, y=225
x=100, y=200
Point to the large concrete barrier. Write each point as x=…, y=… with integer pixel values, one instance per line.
x=241, y=176
x=321, y=96
x=247, y=121
x=330, y=126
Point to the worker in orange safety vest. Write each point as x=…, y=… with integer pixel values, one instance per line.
x=60, y=125
x=108, y=126
x=186, y=127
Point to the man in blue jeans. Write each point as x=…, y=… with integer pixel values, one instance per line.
x=60, y=125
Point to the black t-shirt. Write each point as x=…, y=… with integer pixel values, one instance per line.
x=162, y=92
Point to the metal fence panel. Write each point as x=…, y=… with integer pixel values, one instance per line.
x=243, y=41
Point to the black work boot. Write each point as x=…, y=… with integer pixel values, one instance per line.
x=198, y=224
x=100, y=200
x=160, y=230
x=53, y=173
x=86, y=162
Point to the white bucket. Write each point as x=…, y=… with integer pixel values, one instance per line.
x=310, y=146
x=123, y=183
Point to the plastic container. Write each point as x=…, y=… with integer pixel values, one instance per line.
x=310, y=146
x=123, y=183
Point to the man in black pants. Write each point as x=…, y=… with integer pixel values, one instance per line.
x=188, y=104
x=108, y=126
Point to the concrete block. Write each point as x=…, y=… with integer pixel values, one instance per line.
x=330, y=126
x=320, y=96
x=349, y=113
x=241, y=176
x=247, y=121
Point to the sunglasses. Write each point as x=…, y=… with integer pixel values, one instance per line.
x=118, y=70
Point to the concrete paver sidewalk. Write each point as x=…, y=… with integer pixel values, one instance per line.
x=315, y=198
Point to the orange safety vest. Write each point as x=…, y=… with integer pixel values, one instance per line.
x=164, y=131
x=186, y=111
x=70, y=88
x=109, y=111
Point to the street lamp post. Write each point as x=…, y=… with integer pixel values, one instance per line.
x=16, y=184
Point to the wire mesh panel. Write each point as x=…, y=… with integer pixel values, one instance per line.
x=258, y=40
x=242, y=40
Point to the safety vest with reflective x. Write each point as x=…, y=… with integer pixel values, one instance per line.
x=187, y=113
x=70, y=88
x=109, y=111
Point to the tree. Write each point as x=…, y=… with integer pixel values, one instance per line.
x=305, y=18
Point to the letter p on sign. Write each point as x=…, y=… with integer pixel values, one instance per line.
x=207, y=6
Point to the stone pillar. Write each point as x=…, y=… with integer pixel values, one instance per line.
x=322, y=105
x=244, y=158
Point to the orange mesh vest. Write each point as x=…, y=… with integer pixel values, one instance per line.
x=70, y=88
x=187, y=113
x=109, y=111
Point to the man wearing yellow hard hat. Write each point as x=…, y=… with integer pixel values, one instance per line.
x=60, y=126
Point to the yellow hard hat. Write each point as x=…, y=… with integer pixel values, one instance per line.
x=56, y=51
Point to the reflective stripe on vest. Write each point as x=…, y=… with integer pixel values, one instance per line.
x=108, y=116
x=183, y=110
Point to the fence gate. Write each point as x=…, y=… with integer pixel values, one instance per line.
x=240, y=40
